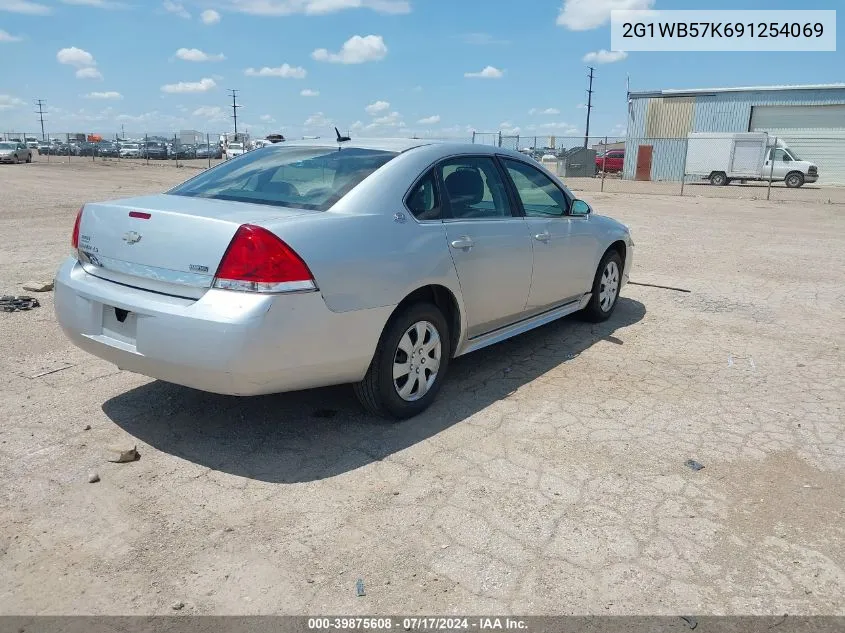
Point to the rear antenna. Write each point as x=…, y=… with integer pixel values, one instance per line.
x=341, y=139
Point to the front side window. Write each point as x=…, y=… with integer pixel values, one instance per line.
x=782, y=156
x=299, y=177
x=474, y=188
x=423, y=200
x=540, y=197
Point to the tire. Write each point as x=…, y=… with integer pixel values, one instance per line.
x=718, y=179
x=598, y=309
x=379, y=390
x=29, y=158
x=794, y=179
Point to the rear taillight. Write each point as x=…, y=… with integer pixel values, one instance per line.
x=258, y=261
x=74, y=238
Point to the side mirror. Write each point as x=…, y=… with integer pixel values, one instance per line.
x=579, y=207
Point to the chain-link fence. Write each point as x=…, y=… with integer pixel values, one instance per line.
x=185, y=149
x=742, y=165
x=720, y=165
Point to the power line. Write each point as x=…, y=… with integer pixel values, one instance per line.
x=235, y=107
x=589, y=106
x=40, y=114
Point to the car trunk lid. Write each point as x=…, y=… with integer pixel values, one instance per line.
x=165, y=243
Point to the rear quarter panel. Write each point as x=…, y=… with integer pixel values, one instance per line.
x=361, y=256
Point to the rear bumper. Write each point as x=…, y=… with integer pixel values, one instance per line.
x=226, y=342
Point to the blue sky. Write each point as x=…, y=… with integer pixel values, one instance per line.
x=374, y=67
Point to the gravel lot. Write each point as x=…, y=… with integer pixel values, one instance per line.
x=549, y=477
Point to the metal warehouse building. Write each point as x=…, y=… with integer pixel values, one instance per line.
x=810, y=119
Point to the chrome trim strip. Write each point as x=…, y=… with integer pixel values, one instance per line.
x=91, y=262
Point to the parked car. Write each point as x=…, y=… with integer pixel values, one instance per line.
x=205, y=151
x=43, y=147
x=130, y=150
x=350, y=274
x=154, y=149
x=14, y=152
x=233, y=149
x=183, y=152
x=611, y=162
x=107, y=149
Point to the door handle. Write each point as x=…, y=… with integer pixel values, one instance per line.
x=464, y=242
x=545, y=236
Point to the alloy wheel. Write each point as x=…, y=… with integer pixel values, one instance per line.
x=416, y=361
x=609, y=286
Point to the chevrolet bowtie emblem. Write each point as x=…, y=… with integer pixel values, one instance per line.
x=131, y=237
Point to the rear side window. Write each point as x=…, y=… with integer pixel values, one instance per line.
x=423, y=200
x=299, y=177
x=474, y=188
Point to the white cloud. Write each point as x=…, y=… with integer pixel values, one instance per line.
x=582, y=15
x=196, y=55
x=489, y=72
x=24, y=6
x=8, y=37
x=391, y=119
x=357, y=125
x=604, y=57
x=506, y=127
x=318, y=119
x=203, y=85
x=210, y=16
x=212, y=113
x=267, y=118
x=581, y=106
x=8, y=102
x=89, y=73
x=285, y=71
x=546, y=111
x=377, y=107
x=176, y=8
x=111, y=94
x=430, y=120
x=75, y=57
x=316, y=7
x=97, y=4
x=355, y=50
x=417, y=89
x=309, y=93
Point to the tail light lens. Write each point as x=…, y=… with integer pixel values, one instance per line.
x=258, y=261
x=74, y=238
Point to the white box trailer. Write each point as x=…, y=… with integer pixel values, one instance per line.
x=721, y=157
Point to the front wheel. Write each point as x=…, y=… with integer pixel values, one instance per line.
x=605, y=290
x=409, y=364
x=794, y=180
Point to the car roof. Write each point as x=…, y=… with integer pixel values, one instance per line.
x=433, y=146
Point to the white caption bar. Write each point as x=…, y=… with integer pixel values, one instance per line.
x=723, y=30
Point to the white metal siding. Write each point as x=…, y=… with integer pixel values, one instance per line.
x=816, y=133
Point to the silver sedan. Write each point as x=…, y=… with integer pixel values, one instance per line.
x=316, y=263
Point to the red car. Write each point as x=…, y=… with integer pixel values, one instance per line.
x=611, y=162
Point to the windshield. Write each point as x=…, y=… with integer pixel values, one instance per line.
x=235, y=146
x=7, y=146
x=299, y=177
x=131, y=146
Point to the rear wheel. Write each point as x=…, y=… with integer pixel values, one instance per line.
x=794, y=179
x=605, y=290
x=29, y=158
x=409, y=364
x=718, y=178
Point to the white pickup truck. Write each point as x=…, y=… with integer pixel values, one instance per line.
x=723, y=157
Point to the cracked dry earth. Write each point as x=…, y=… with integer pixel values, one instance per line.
x=549, y=477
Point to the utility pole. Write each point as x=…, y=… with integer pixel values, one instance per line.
x=589, y=107
x=122, y=132
x=40, y=114
x=235, y=107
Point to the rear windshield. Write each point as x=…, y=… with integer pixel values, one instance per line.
x=7, y=146
x=300, y=177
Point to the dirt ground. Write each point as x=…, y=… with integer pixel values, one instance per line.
x=548, y=478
